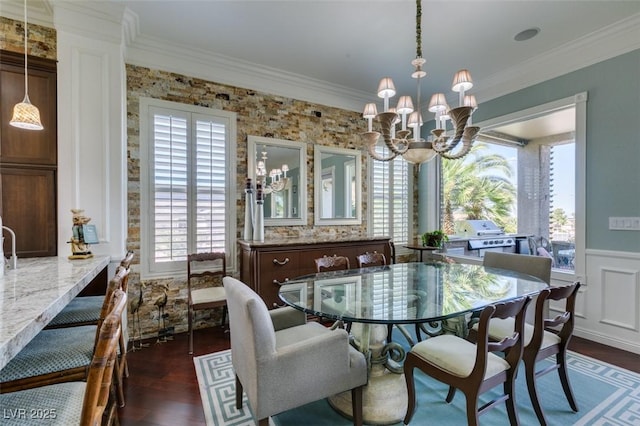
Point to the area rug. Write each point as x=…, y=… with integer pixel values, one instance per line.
x=606, y=395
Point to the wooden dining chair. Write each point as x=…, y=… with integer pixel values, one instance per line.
x=332, y=263
x=536, y=266
x=78, y=402
x=472, y=368
x=543, y=339
x=371, y=259
x=63, y=354
x=211, y=296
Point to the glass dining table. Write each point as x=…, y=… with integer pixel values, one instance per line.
x=429, y=294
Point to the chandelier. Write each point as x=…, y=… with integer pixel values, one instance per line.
x=25, y=114
x=278, y=177
x=408, y=143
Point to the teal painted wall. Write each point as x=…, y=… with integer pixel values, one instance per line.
x=613, y=141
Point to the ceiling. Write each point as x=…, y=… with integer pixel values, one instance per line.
x=351, y=44
x=355, y=43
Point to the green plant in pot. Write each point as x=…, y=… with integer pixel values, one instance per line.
x=434, y=238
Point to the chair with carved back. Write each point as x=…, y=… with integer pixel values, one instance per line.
x=472, y=368
x=332, y=263
x=64, y=354
x=546, y=337
x=78, y=402
x=371, y=259
x=205, y=267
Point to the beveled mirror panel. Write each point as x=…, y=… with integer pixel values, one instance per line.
x=282, y=165
x=337, y=183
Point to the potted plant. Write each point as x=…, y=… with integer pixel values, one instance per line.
x=434, y=238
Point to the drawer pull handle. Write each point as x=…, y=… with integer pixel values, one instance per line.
x=284, y=262
x=276, y=282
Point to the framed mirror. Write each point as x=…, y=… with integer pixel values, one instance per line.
x=337, y=183
x=282, y=165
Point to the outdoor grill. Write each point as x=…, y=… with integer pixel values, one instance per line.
x=484, y=234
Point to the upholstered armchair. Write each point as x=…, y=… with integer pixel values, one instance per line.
x=283, y=362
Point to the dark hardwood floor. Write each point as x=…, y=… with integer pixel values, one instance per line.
x=162, y=388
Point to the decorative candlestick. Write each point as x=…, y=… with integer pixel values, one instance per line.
x=258, y=234
x=248, y=211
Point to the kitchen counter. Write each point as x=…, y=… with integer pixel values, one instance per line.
x=35, y=292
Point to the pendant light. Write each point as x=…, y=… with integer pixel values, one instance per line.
x=25, y=114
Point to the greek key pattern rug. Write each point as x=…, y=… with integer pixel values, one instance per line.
x=606, y=396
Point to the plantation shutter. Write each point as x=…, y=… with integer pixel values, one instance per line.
x=189, y=184
x=390, y=198
x=170, y=178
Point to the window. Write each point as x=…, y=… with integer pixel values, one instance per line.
x=528, y=189
x=390, y=198
x=187, y=184
x=540, y=187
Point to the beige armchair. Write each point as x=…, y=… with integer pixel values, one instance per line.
x=283, y=368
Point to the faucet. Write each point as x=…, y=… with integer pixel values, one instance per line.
x=13, y=261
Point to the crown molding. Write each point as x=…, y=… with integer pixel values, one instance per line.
x=158, y=54
x=99, y=21
x=113, y=22
x=39, y=13
x=609, y=42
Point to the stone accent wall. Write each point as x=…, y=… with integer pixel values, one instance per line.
x=259, y=114
x=41, y=40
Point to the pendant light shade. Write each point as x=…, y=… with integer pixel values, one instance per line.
x=25, y=114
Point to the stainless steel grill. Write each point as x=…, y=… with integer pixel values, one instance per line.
x=484, y=234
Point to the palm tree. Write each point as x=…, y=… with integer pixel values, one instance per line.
x=478, y=187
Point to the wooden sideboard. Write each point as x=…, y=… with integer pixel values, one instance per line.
x=263, y=266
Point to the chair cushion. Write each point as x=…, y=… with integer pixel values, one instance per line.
x=299, y=333
x=52, y=350
x=208, y=295
x=61, y=403
x=500, y=328
x=456, y=355
x=80, y=310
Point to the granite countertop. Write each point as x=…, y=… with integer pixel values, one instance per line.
x=35, y=292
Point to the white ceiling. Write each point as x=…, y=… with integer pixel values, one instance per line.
x=355, y=43
x=351, y=44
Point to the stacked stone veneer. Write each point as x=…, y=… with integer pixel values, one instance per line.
x=41, y=43
x=259, y=114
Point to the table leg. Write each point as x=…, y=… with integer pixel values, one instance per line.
x=384, y=399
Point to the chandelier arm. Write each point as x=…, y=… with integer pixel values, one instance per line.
x=443, y=144
x=397, y=146
x=371, y=140
x=467, y=142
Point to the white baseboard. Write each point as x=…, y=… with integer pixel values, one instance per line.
x=607, y=340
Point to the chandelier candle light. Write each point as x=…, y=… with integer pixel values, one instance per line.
x=25, y=114
x=278, y=176
x=416, y=150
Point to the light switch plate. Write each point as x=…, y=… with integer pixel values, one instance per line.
x=624, y=223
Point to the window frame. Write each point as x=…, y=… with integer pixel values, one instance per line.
x=148, y=268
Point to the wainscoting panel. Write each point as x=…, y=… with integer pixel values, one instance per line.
x=619, y=295
x=611, y=300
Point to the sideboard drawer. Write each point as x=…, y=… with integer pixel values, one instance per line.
x=276, y=268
